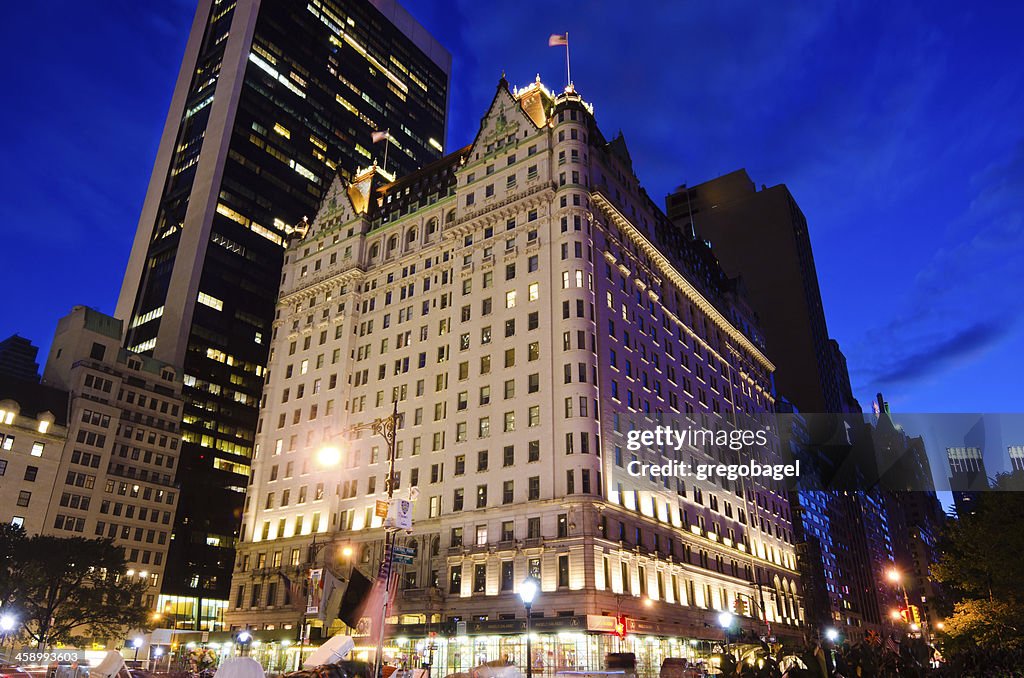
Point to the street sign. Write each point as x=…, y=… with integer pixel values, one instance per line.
x=404, y=550
x=402, y=559
x=381, y=509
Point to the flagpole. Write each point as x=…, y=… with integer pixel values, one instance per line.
x=387, y=143
x=568, y=75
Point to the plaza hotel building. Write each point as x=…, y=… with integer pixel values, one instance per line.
x=526, y=304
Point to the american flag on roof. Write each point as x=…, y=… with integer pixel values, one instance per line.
x=558, y=40
x=380, y=136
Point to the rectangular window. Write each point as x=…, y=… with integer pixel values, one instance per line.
x=507, y=575
x=479, y=578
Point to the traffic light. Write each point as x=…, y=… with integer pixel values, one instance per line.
x=915, y=614
x=740, y=607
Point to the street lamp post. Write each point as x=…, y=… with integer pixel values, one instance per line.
x=158, y=652
x=7, y=624
x=387, y=428
x=832, y=635
x=528, y=591
x=137, y=643
x=244, y=639
x=725, y=621
x=896, y=577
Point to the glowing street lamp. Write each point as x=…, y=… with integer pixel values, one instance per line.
x=244, y=639
x=725, y=619
x=7, y=623
x=137, y=643
x=329, y=456
x=831, y=634
x=528, y=591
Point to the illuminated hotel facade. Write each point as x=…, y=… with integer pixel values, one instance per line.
x=273, y=100
x=527, y=305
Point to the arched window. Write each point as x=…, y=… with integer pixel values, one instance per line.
x=392, y=244
x=450, y=217
x=374, y=251
x=410, y=236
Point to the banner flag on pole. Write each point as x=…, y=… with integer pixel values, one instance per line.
x=353, y=601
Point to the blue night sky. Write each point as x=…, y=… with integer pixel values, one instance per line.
x=897, y=126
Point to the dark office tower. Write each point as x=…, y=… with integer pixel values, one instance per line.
x=967, y=474
x=762, y=236
x=273, y=99
x=1016, y=457
x=18, y=358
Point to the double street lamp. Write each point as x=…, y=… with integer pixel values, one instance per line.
x=528, y=591
x=896, y=577
x=387, y=428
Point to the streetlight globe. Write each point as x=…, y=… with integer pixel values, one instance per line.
x=346, y=552
x=328, y=456
x=7, y=623
x=940, y=626
x=158, y=652
x=137, y=643
x=244, y=637
x=725, y=619
x=528, y=590
x=832, y=635
x=893, y=574
x=915, y=627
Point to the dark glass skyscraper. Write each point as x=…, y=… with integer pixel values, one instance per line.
x=272, y=100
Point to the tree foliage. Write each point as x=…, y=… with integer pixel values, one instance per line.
x=66, y=589
x=981, y=564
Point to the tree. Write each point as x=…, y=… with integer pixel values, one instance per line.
x=67, y=588
x=981, y=565
x=12, y=538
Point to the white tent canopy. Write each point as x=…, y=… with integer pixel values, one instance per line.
x=331, y=651
x=109, y=666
